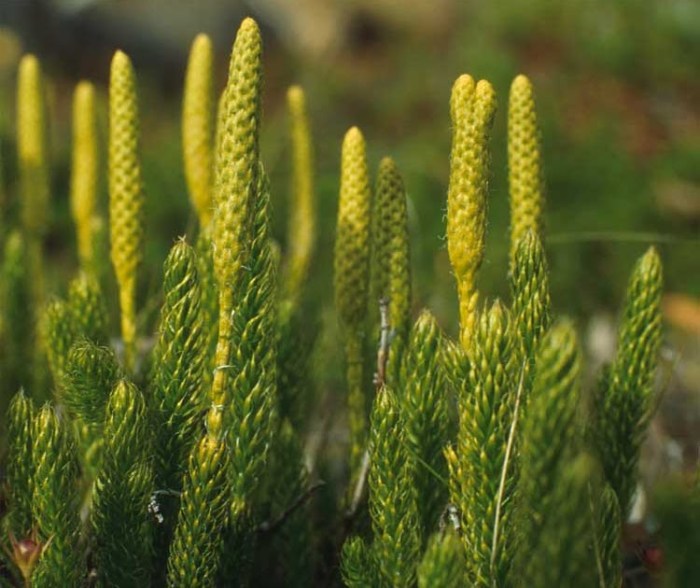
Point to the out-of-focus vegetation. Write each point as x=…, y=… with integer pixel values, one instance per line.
x=616, y=94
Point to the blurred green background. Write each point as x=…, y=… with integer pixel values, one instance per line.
x=618, y=98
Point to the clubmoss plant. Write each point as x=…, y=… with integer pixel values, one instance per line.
x=33, y=160
x=120, y=520
x=84, y=172
x=626, y=400
x=198, y=127
x=351, y=281
x=54, y=502
x=443, y=563
x=393, y=503
x=472, y=108
x=480, y=462
x=126, y=197
x=525, y=175
x=301, y=228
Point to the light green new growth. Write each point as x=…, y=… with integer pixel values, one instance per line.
x=120, y=519
x=529, y=285
x=88, y=308
x=20, y=465
x=392, y=496
x=91, y=374
x=626, y=403
x=443, y=562
x=357, y=566
x=59, y=333
x=301, y=228
x=607, y=529
x=179, y=362
x=198, y=127
x=477, y=461
x=83, y=316
x=234, y=195
x=525, y=177
x=426, y=415
x=550, y=435
x=252, y=412
x=55, y=503
x=472, y=108
x=84, y=172
x=126, y=197
x=195, y=551
x=562, y=555
x=351, y=282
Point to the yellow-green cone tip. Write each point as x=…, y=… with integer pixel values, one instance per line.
x=462, y=91
x=295, y=96
x=197, y=127
x=650, y=262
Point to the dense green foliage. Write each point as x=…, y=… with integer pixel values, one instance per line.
x=194, y=456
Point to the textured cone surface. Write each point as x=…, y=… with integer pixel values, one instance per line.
x=351, y=281
x=525, y=177
x=198, y=127
x=472, y=109
x=391, y=272
x=32, y=146
x=83, y=187
x=126, y=199
x=236, y=183
x=352, y=234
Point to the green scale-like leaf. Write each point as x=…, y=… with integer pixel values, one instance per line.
x=476, y=463
x=392, y=495
x=120, y=519
x=20, y=465
x=443, y=563
x=626, y=400
x=55, y=503
x=253, y=366
x=426, y=413
x=550, y=434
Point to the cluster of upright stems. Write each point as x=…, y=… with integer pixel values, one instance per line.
x=485, y=463
x=529, y=484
